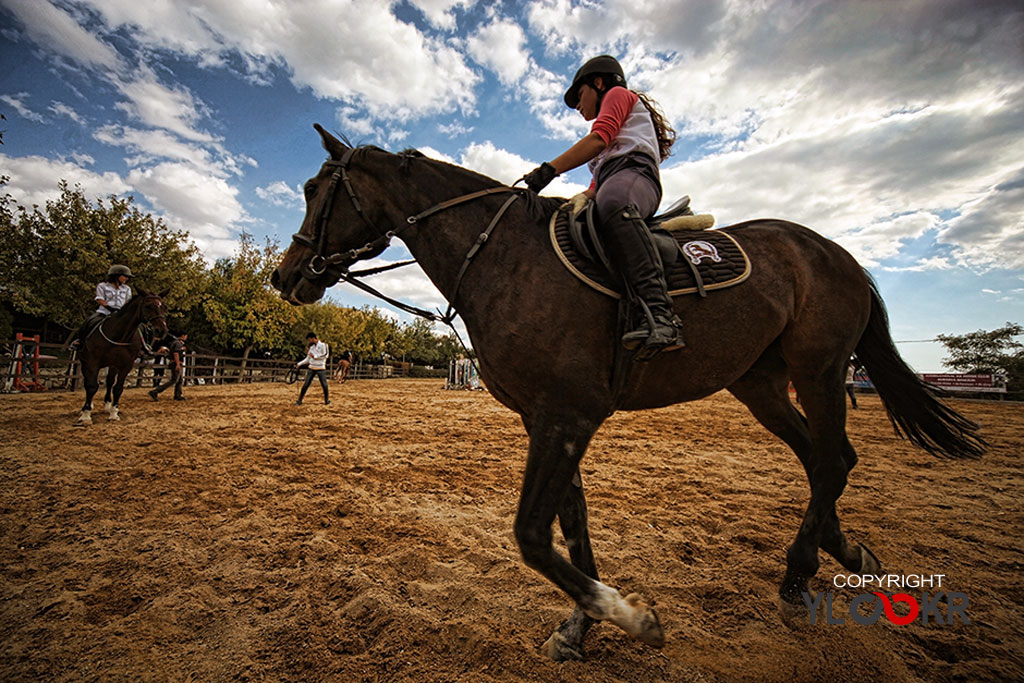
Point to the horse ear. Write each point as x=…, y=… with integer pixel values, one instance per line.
x=335, y=147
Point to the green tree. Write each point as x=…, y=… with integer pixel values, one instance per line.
x=242, y=309
x=54, y=256
x=995, y=351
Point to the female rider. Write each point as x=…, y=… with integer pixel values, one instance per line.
x=628, y=139
x=111, y=295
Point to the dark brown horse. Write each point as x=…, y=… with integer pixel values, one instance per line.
x=546, y=345
x=115, y=344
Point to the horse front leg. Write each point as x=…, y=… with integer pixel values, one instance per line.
x=556, y=447
x=567, y=640
x=92, y=385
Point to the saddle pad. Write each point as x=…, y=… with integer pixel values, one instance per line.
x=718, y=258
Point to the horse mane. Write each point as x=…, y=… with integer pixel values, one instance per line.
x=130, y=307
x=409, y=154
x=538, y=207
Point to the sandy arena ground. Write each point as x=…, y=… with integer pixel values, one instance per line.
x=237, y=536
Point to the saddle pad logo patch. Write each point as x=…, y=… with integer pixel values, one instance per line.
x=698, y=250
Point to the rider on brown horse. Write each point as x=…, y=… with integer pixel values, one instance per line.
x=111, y=295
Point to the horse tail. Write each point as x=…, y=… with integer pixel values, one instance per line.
x=913, y=406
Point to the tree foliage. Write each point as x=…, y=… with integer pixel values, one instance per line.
x=55, y=255
x=994, y=351
x=242, y=309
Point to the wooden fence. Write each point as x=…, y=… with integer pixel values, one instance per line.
x=26, y=365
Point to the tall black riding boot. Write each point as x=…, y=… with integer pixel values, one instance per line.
x=638, y=260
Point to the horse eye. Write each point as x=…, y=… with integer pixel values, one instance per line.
x=309, y=190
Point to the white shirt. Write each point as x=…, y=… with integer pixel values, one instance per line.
x=626, y=126
x=316, y=357
x=116, y=296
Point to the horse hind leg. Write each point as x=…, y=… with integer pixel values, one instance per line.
x=764, y=391
x=117, y=389
x=109, y=403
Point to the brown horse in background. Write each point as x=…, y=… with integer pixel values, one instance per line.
x=115, y=343
x=546, y=345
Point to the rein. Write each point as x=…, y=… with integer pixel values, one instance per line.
x=319, y=264
x=148, y=322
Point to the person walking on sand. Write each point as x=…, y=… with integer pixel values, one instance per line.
x=176, y=352
x=316, y=359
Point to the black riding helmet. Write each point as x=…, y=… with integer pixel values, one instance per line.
x=606, y=66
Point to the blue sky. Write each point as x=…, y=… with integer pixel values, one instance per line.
x=894, y=128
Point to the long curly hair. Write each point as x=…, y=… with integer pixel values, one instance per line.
x=664, y=131
x=666, y=134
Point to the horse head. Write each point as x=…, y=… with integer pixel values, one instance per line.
x=152, y=310
x=337, y=229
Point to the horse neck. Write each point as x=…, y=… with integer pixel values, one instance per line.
x=441, y=241
x=121, y=326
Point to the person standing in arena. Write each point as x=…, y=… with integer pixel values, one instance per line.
x=176, y=351
x=851, y=370
x=316, y=359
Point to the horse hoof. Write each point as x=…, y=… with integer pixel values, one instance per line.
x=114, y=417
x=83, y=421
x=649, y=629
x=557, y=648
x=869, y=564
x=798, y=616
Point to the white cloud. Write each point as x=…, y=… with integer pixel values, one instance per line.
x=990, y=230
x=57, y=30
x=334, y=49
x=207, y=207
x=507, y=167
x=17, y=102
x=439, y=12
x=82, y=159
x=156, y=105
x=279, y=193
x=455, y=129
x=34, y=179
x=499, y=46
x=61, y=109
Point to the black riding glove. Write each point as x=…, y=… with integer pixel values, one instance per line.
x=538, y=178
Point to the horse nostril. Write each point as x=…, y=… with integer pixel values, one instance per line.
x=275, y=280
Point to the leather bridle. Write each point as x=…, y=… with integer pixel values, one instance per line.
x=321, y=263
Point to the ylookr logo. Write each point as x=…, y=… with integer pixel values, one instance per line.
x=924, y=609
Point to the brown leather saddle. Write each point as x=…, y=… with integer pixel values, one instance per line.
x=696, y=259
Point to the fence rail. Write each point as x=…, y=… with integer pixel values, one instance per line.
x=28, y=365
